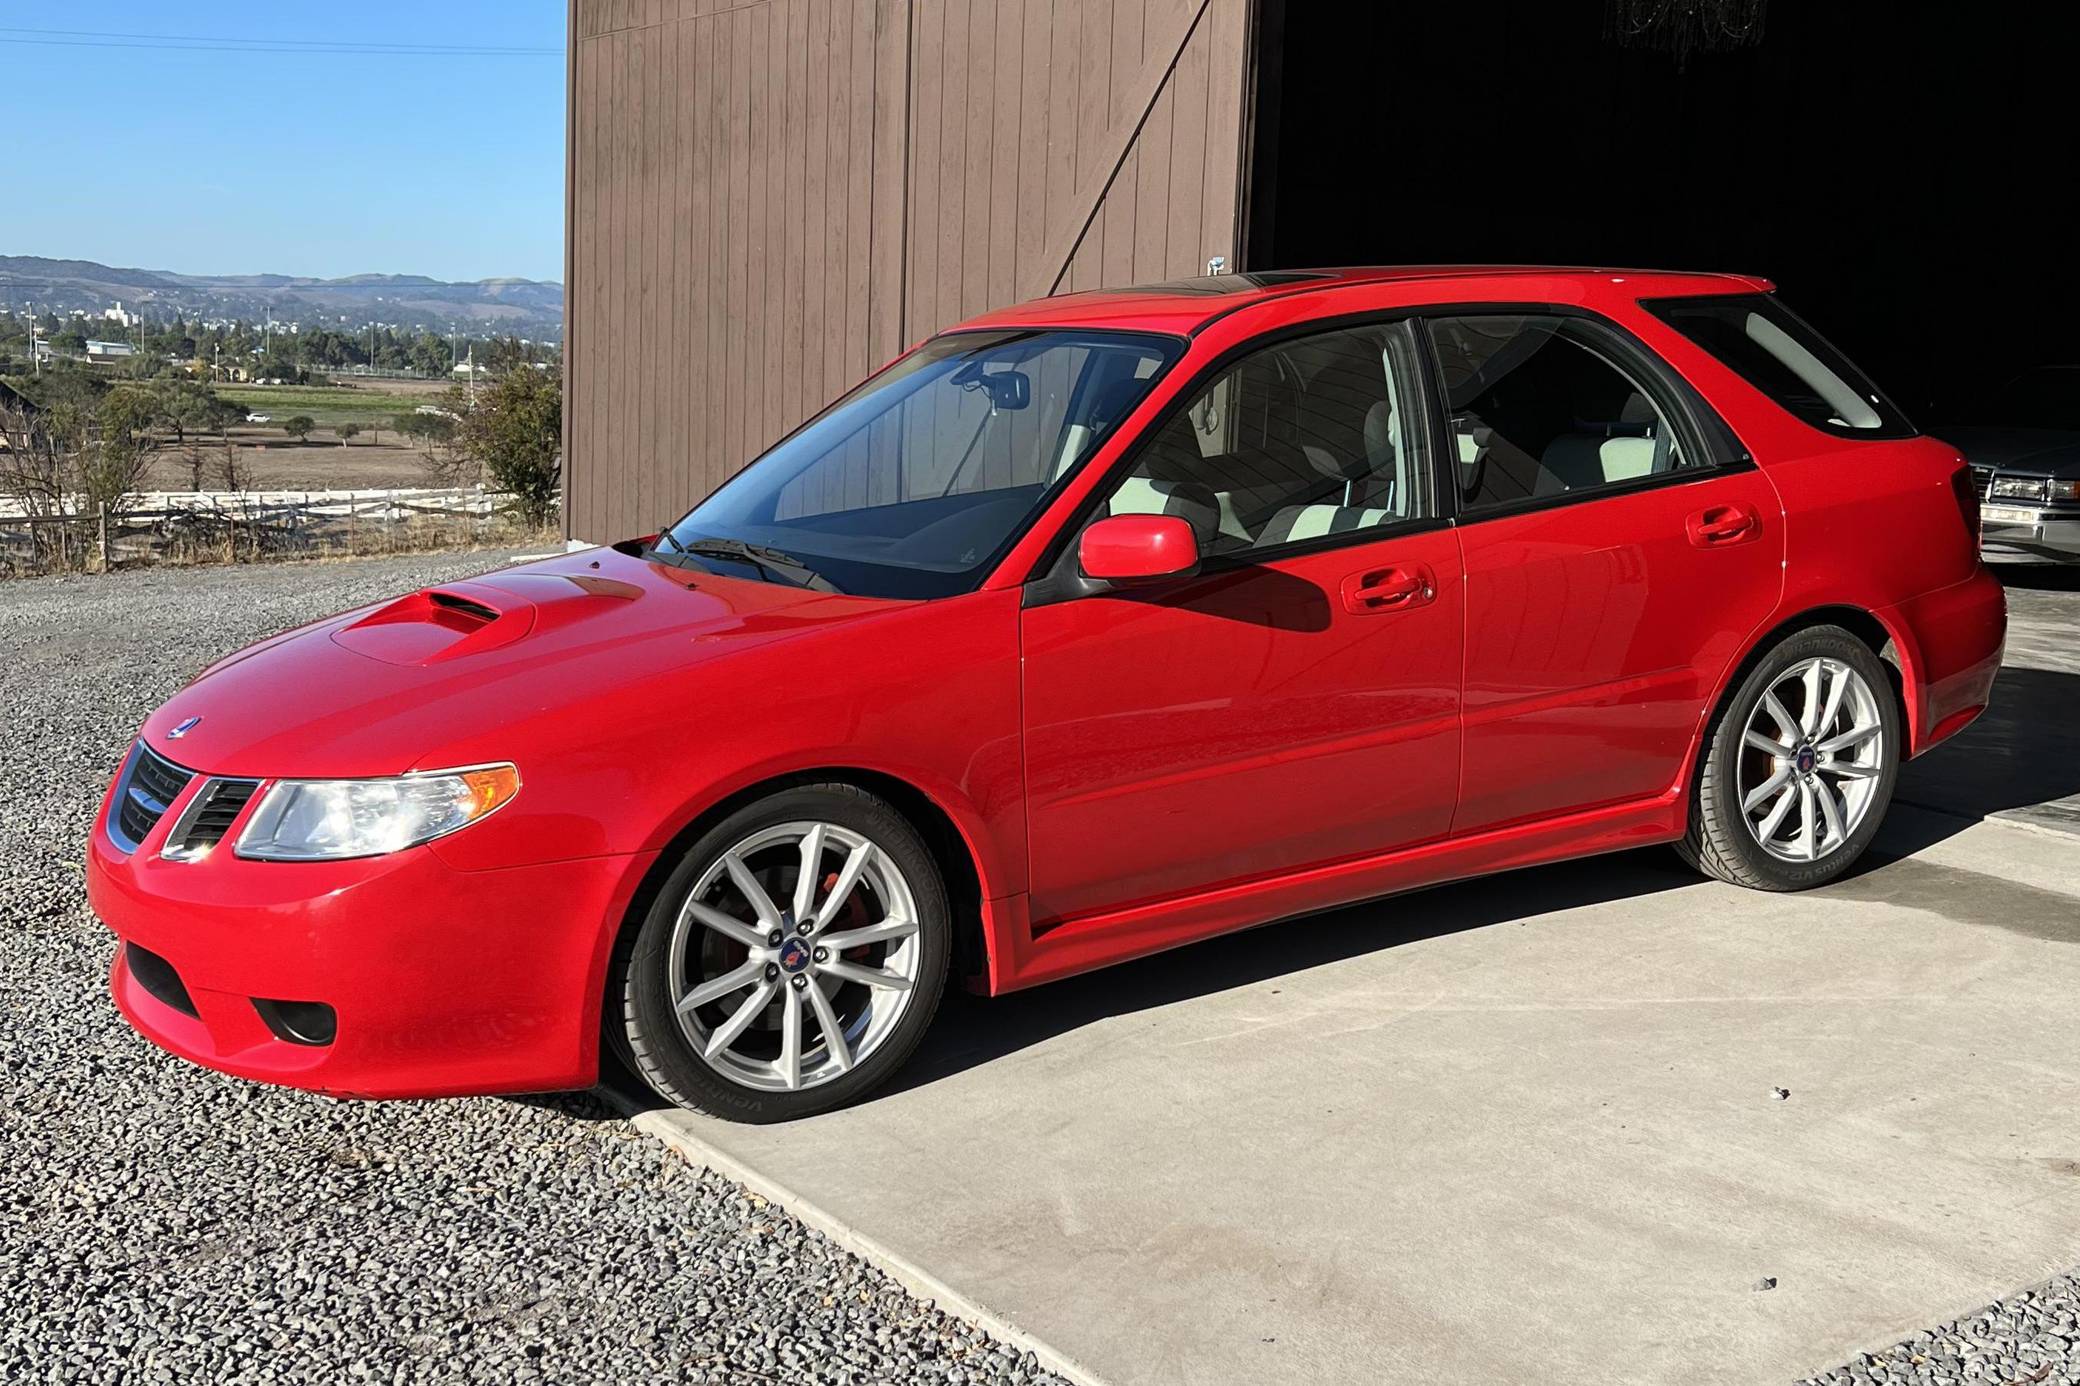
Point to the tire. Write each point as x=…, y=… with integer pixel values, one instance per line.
x=729, y=1056
x=1741, y=842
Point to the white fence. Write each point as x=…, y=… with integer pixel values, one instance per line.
x=236, y=526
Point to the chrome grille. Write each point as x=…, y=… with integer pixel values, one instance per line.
x=147, y=789
x=208, y=818
x=1982, y=477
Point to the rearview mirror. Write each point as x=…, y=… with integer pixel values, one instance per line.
x=1128, y=550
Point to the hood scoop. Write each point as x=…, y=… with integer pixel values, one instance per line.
x=439, y=624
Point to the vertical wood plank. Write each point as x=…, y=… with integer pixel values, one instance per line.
x=1227, y=85
x=1128, y=55
x=1094, y=119
x=1185, y=163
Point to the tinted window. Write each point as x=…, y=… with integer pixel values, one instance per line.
x=913, y=484
x=1773, y=349
x=1304, y=439
x=1538, y=409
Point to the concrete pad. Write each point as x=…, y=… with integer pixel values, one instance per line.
x=2021, y=760
x=1521, y=1129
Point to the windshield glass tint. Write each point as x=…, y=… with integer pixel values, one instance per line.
x=917, y=481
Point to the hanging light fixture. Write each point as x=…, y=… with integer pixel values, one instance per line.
x=1682, y=27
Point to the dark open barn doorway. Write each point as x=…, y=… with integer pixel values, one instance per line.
x=1904, y=171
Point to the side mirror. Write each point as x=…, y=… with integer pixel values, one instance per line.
x=1129, y=550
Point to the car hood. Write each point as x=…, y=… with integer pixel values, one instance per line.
x=382, y=689
x=2043, y=451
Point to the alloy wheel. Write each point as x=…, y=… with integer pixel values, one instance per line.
x=794, y=956
x=1811, y=757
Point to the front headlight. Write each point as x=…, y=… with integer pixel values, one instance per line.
x=325, y=820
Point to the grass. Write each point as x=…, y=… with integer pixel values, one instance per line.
x=330, y=405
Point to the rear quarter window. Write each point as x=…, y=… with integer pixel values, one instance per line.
x=1773, y=349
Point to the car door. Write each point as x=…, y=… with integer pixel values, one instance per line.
x=1620, y=551
x=1297, y=701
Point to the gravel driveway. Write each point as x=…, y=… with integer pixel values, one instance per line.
x=161, y=1223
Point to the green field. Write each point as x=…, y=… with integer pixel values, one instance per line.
x=330, y=405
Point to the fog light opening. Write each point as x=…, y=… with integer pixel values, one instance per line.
x=299, y=1022
x=159, y=980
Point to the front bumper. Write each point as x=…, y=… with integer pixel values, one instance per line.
x=2008, y=532
x=441, y=982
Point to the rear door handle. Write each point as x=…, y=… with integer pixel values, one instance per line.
x=1388, y=589
x=1723, y=524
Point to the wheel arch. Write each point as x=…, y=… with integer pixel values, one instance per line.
x=951, y=850
x=1888, y=642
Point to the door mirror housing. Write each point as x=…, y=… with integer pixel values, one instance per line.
x=1131, y=550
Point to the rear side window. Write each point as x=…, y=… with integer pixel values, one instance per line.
x=1774, y=350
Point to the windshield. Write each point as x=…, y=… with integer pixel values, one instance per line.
x=917, y=482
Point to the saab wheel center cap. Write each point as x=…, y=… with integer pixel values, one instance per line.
x=794, y=955
x=1805, y=759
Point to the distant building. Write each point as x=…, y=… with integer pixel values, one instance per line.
x=104, y=353
x=121, y=315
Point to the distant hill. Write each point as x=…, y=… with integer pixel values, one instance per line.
x=522, y=307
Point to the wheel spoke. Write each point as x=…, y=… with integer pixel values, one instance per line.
x=1849, y=770
x=1808, y=830
x=1836, y=691
x=1786, y=723
x=1777, y=813
x=762, y=903
x=729, y=926
x=1855, y=736
x=874, y=933
x=865, y=976
x=856, y=862
x=811, y=871
x=1814, y=672
x=1762, y=743
x=726, y=1034
x=1761, y=793
x=1830, y=811
x=790, y=1060
x=827, y=1022
x=718, y=987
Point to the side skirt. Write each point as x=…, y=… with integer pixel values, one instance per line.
x=1018, y=959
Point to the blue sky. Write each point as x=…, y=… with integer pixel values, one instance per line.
x=314, y=161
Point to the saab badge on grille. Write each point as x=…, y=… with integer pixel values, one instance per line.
x=183, y=729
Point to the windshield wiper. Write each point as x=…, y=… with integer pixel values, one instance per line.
x=767, y=560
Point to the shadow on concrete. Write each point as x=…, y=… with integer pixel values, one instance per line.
x=2039, y=577
x=972, y=1030
x=2021, y=758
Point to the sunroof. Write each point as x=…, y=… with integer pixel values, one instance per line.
x=1213, y=285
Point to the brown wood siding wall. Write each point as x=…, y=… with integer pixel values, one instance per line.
x=771, y=198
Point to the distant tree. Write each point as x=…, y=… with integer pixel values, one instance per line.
x=299, y=427
x=425, y=428
x=347, y=432
x=516, y=432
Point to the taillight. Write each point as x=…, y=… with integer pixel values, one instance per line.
x=1967, y=492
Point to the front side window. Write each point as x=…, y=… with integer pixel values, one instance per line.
x=1540, y=408
x=916, y=482
x=1300, y=440
x=1771, y=348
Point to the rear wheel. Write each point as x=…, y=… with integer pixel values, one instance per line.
x=792, y=961
x=1800, y=766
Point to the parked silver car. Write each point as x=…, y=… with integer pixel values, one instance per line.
x=2027, y=466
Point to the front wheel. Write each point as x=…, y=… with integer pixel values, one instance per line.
x=792, y=961
x=1800, y=766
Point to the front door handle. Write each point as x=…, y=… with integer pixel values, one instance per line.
x=1720, y=525
x=1388, y=589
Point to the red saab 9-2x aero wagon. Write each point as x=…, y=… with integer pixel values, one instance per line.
x=1089, y=628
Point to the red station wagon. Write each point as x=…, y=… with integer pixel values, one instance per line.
x=1089, y=628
